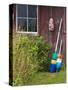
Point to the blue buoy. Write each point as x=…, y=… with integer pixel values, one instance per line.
x=52, y=68
x=58, y=66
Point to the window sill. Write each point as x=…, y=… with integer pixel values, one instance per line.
x=28, y=33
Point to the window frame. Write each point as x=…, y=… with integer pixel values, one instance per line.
x=27, y=32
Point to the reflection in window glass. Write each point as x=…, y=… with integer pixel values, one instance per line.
x=32, y=11
x=26, y=18
x=32, y=25
x=22, y=25
x=22, y=10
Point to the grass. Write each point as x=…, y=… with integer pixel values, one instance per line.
x=48, y=78
x=24, y=65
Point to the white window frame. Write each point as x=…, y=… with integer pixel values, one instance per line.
x=27, y=22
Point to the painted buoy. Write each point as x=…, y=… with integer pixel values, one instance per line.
x=60, y=56
x=52, y=68
x=58, y=64
x=59, y=60
x=53, y=61
x=54, y=56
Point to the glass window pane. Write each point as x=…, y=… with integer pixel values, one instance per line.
x=32, y=11
x=21, y=10
x=22, y=25
x=32, y=25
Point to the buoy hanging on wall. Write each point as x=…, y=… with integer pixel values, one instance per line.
x=52, y=68
x=51, y=24
x=53, y=63
x=59, y=62
x=59, y=59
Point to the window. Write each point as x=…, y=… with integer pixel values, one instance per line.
x=27, y=18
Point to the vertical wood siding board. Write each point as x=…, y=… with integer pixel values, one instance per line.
x=39, y=21
x=14, y=19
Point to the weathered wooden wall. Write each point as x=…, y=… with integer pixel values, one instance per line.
x=56, y=13
x=44, y=14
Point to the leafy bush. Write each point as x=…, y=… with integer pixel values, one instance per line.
x=30, y=54
x=63, y=67
x=43, y=54
x=23, y=64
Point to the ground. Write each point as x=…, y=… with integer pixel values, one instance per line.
x=49, y=78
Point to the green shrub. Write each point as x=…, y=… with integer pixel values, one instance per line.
x=43, y=54
x=24, y=60
x=63, y=67
x=30, y=55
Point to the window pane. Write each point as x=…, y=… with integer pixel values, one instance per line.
x=22, y=10
x=32, y=25
x=32, y=11
x=22, y=25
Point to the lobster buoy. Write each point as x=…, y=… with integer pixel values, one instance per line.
x=54, y=56
x=53, y=61
x=59, y=62
x=52, y=68
x=60, y=56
